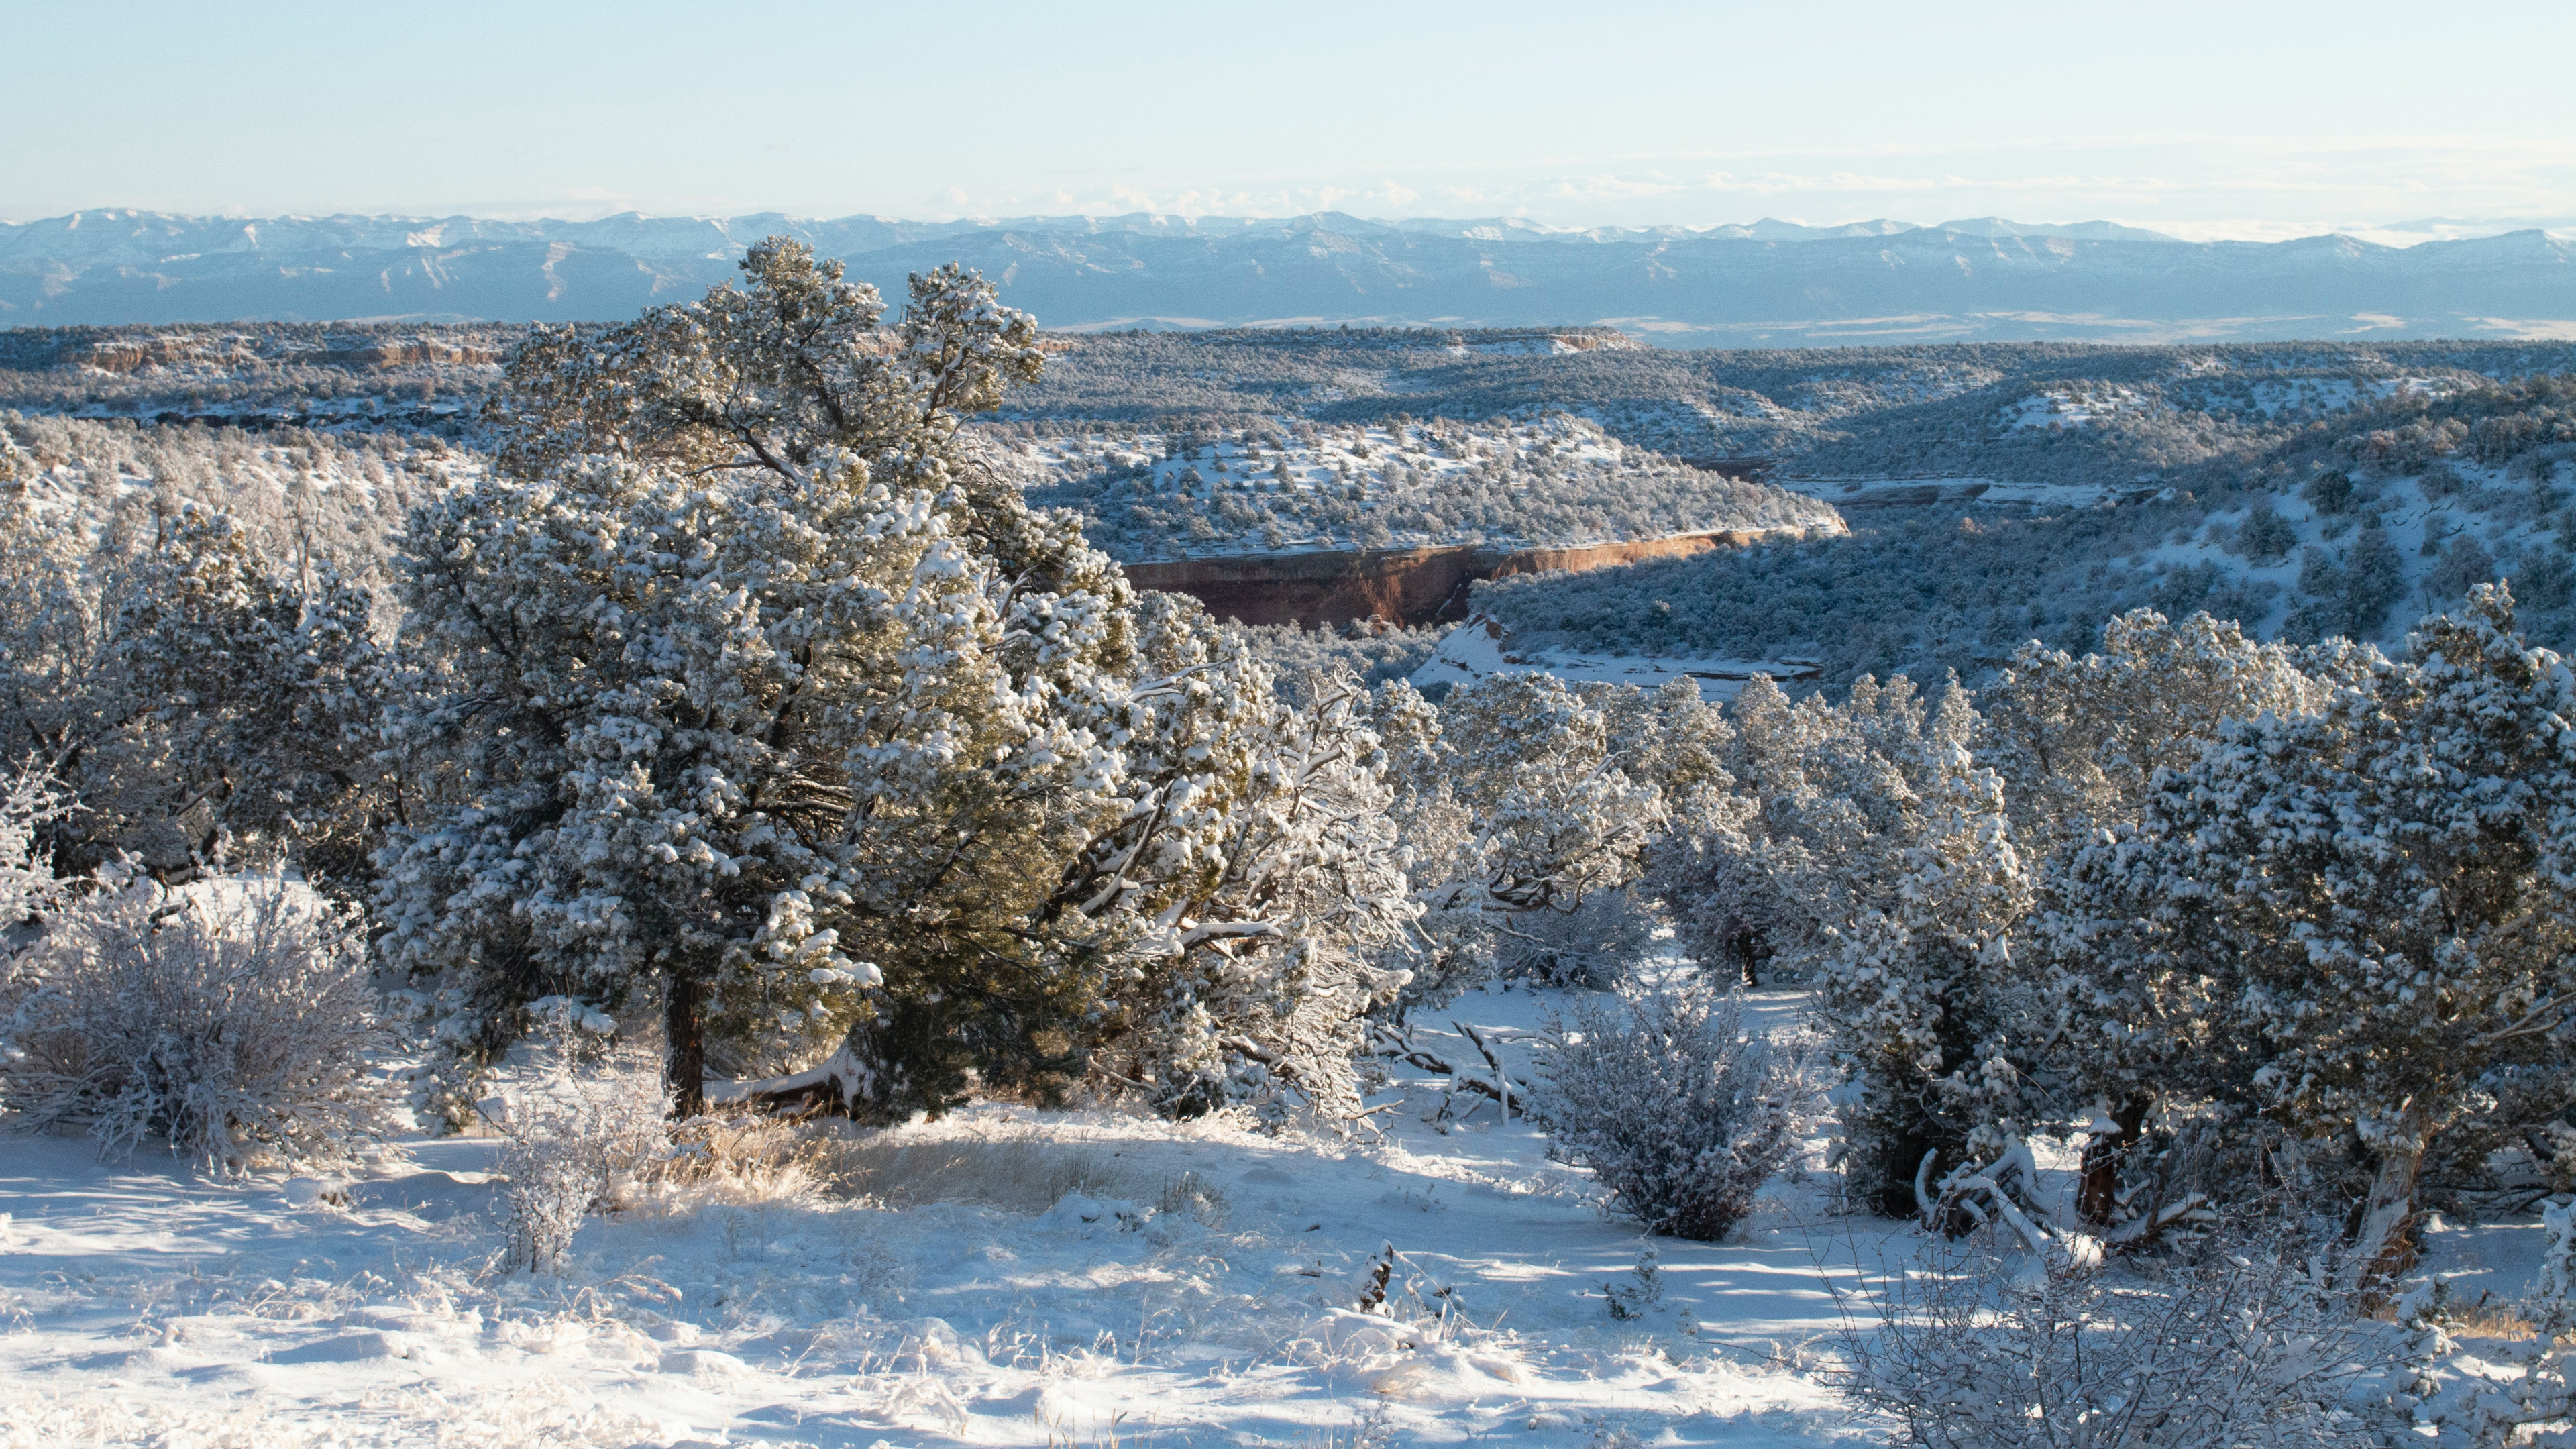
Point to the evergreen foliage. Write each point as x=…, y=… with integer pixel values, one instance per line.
x=750, y=690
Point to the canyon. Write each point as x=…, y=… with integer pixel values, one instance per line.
x=1410, y=586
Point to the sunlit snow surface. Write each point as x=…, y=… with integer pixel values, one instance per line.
x=141, y=1301
x=142, y=1304
x=1552, y=482
x=1482, y=648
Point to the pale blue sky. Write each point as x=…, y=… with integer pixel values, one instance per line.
x=2239, y=119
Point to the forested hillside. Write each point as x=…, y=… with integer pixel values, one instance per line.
x=2350, y=522
x=1994, y=492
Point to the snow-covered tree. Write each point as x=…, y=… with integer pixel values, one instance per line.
x=1803, y=834
x=767, y=702
x=1271, y=889
x=1927, y=999
x=1862, y=842
x=1524, y=796
x=2077, y=738
x=2346, y=921
x=28, y=887
x=1554, y=814
x=190, y=690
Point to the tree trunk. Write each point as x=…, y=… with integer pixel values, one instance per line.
x=2382, y=1252
x=2098, y=1190
x=684, y=1027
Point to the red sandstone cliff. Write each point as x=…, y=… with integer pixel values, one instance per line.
x=1398, y=585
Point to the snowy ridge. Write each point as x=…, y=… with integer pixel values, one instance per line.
x=1288, y=486
x=1767, y=284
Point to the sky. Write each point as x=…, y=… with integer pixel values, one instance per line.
x=2249, y=119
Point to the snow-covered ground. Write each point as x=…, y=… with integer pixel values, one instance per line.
x=1010, y=1277
x=1482, y=647
x=1290, y=486
x=1989, y=492
x=141, y=1303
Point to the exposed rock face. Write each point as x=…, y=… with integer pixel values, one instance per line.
x=1397, y=585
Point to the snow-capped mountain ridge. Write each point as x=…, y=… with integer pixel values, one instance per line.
x=1770, y=283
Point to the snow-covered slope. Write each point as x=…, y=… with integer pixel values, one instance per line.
x=1021, y=1278
x=1286, y=485
x=1483, y=647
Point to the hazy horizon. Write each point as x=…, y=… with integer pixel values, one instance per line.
x=2399, y=233
x=2211, y=122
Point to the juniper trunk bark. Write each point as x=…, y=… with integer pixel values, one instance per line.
x=684, y=1027
x=2381, y=1252
x=2098, y=1189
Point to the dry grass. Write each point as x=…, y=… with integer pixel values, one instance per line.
x=1018, y=1174
x=743, y=1162
x=765, y=1161
x=2495, y=1319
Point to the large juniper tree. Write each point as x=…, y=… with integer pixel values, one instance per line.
x=2352, y=922
x=747, y=688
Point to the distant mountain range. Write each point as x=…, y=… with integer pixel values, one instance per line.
x=1772, y=283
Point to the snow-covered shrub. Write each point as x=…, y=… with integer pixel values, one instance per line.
x=28, y=802
x=231, y=1018
x=2237, y=1349
x=2499, y=1387
x=1589, y=947
x=584, y=1116
x=1677, y=1110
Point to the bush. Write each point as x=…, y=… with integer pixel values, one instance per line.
x=231, y=1018
x=1678, y=1112
x=585, y=1116
x=2236, y=1349
x=1589, y=947
x=28, y=803
x=2264, y=536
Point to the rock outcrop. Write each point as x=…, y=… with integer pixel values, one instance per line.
x=1397, y=585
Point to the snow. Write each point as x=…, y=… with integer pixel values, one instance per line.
x=1483, y=646
x=142, y=1300
x=1289, y=487
x=142, y=1304
x=1917, y=492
